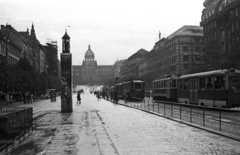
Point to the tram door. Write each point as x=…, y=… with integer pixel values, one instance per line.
x=193, y=89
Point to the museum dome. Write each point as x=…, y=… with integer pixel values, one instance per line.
x=89, y=53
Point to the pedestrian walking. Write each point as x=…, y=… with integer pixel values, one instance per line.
x=7, y=98
x=28, y=97
x=31, y=98
x=78, y=98
x=10, y=98
x=51, y=96
x=98, y=96
x=115, y=96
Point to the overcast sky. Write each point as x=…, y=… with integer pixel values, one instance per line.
x=115, y=29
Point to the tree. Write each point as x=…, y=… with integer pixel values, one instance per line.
x=53, y=82
x=3, y=76
x=25, y=65
x=43, y=81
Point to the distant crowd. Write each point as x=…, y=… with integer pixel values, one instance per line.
x=11, y=97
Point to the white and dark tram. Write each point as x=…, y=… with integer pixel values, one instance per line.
x=218, y=88
x=165, y=89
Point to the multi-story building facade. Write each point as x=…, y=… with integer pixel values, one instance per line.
x=43, y=59
x=130, y=67
x=221, y=28
x=180, y=53
x=90, y=73
x=77, y=75
x=4, y=43
x=27, y=47
x=117, y=68
x=15, y=45
x=142, y=69
x=11, y=43
x=32, y=51
x=51, y=50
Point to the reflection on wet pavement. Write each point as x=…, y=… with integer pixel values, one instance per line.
x=103, y=128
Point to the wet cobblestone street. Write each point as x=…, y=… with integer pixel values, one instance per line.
x=104, y=128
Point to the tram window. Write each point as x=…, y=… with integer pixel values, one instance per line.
x=202, y=83
x=161, y=84
x=174, y=84
x=190, y=84
x=196, y=84
x=219, y=82
x=138, y=85
x=180, y=85
x=185, y=86
x=164, y=84
x=209, y=83
x=234, y=82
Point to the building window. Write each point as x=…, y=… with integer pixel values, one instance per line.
x=198, y=58
x=185, y=66
x=223, y=46
x=197, y=40
x=185, y=58
x=223, y=34
x=185, y=49
x=198, y=49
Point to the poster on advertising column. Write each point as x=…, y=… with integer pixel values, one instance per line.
x=66, y=82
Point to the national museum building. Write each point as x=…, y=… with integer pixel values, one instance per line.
x=90, y=73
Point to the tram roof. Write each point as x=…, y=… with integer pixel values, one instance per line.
x=210, y=73
x=135, y=81
x=163, y=79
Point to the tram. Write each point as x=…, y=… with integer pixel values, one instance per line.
x=119, y=89
x=218, y=88
x=165, y=89
x=133, y=89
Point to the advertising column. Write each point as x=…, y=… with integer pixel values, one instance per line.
x=66, y=75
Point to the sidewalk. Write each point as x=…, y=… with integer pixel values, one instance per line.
x=81, y=132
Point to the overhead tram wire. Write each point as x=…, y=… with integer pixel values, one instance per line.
x=77, y=27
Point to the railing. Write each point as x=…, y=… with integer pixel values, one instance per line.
x=218, y=119
x=15, y=123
